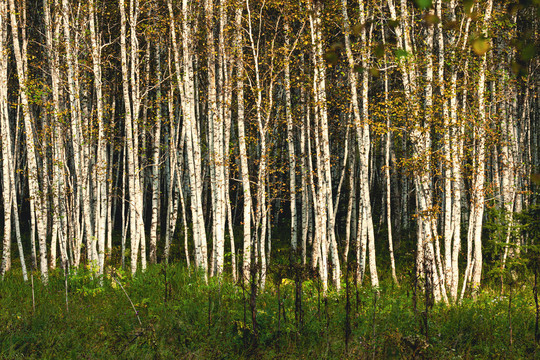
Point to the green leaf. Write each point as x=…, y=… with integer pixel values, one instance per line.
x=374, y=72
x=359, y=69
x=467, y=6
x=528, y=52
x=357, y=29
x=379, y=50
x=423, y=4
x=331, y=57
x=393, y=23
x=336, y=46
x=432, y=19
x=402, y=53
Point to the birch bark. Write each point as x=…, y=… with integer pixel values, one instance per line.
x=131, y=93
x=36, y=201
x=290, y=141
x=154, y=227
x=244, y=169
x=8, y=193
x=100, y=171
x=478, y=195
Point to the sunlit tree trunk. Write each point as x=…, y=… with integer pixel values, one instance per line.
x=304, y=168
x=453, y=140
x=432, y=247
x=52, y=25
x=80, y=181
x=36, y=201
x=154, y=227
x=244, y=169
x=477, y=191
x=100, y=171
x=226, y=72
x=388, y=180
x=351, y=220
x=366, y=236
x=9, y=192
x=186, y=86
x=262, y=207
x=174, y=138
x=290, y=141
x=421, y=140
x=131, y=92
x=193, y=147
x=328, y=243
x=215, y=125
x=364, y=146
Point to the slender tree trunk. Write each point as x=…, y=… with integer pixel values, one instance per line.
x=36, y=201
x=130, y=85
x=100, y=171
x=244, y=169
x=388, y=138
x=215, y=124
x=478, y=195
x=8, y=193
x=290, y=142
x=186, y=87
x=154, y=230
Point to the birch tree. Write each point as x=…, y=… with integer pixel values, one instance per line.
x=244, y=167
x=131, y=92
x=18, y=33
x=478, y=195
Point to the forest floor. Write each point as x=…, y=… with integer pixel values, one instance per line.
x=171, y=313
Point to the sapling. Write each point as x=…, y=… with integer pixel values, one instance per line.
x=131, y=302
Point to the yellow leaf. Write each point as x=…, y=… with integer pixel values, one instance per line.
x=481, y=46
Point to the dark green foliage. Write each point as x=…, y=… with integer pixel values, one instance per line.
x=200, y=320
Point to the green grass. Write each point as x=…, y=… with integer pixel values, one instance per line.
x=184, y=317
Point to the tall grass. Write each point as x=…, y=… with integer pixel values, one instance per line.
x=182, y=316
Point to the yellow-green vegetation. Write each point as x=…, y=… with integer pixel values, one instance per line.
x=181, y=316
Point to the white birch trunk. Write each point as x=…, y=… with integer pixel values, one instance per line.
x=9, y=192
x=154, y=229
x=100, y=170
x=328, y=240
x=478, y=195
x=36, y=202
x=244, y=169
x=290, y=142
x=186, y=87
x=216, y=125
x=388, y=142
x=130, y=85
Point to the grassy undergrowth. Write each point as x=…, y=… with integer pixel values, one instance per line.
x=176, y=315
